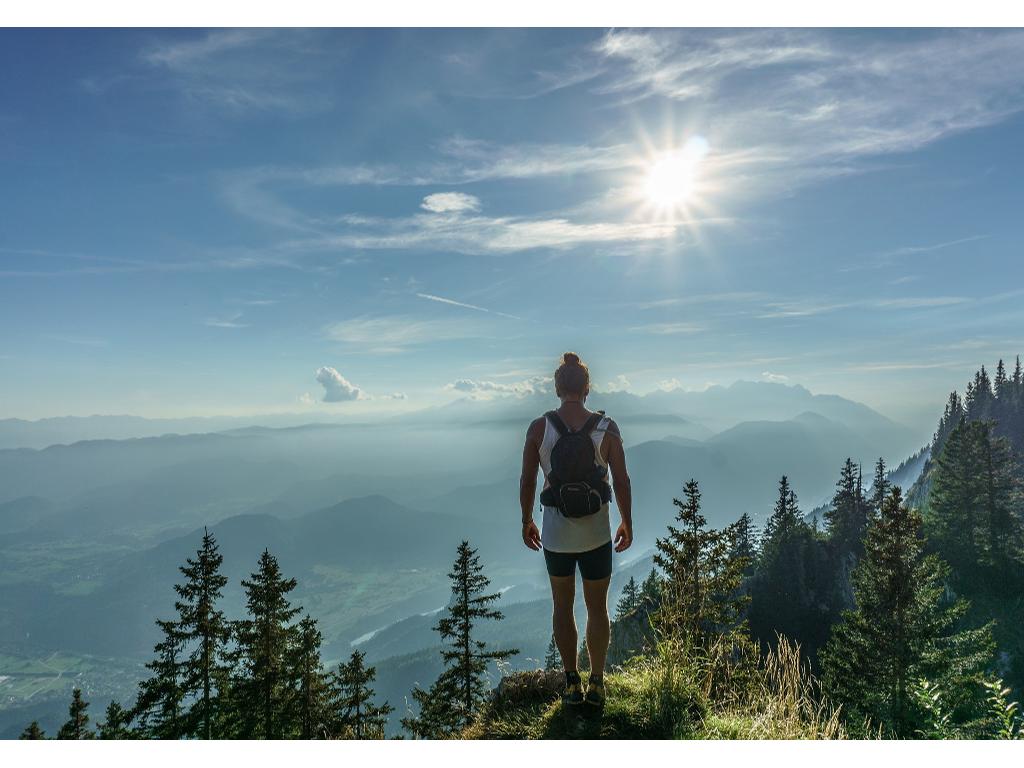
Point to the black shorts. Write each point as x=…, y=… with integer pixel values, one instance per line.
x=594, y=565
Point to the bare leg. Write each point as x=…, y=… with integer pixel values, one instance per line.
x=563, y=594
x=595, y=594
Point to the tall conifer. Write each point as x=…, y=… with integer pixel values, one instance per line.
x=202, y=625
x=359, y=717
x=159, y=704
x=77, y=725
x=901, y=629
x=264, y=690
x=453, y=699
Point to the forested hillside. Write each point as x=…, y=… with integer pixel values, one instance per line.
x=886, y=616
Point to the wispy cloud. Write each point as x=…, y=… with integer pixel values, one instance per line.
x=792, y=309
x=885, y=259
x=476, y=234
x=729, y=297
x=668, y=329
x=452, y=302
x=802, y=104
x=230, y=320
x=81, y=341
x=246, y=70
x=385, y=334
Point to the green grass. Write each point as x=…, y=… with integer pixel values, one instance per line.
x=666, y=697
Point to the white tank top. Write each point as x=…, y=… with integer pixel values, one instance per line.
x=574, y=534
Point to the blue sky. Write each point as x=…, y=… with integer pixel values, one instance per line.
x=234, y=222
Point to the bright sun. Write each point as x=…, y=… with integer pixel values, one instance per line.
x=672, y=176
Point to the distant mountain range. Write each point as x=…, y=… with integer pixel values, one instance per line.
x=97, y=514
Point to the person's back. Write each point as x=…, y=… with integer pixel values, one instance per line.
x=577, y=449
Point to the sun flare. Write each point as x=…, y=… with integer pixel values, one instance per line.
x=672, y=176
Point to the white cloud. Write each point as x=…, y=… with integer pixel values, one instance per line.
x=619, y=384
x=668, y=385
x=226, y=321
x=774, y=377
x=482, y=234
x=793, y=105
x=337, y=389
x=668, y=329
x=450, y=202
x=485, y=389
x=245, y=70
x=396, y=396
x=394, y=333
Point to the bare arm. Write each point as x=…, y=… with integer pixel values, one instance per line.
x=528, y=482
x=616, y=458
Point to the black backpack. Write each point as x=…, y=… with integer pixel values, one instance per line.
x=576, y=483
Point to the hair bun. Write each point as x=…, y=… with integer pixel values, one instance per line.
x=570, y=358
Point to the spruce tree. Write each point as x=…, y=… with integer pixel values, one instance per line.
x=115, y=723
x=901, y=630
x=630, y=599
x=358, y=716
x=973, y=508
x=552, y=659
x=846, y=517
x=311, y=687
x=744, y=541
x=159, y=704
x=701, y=594
x=1000, y=384
x=203, y=625
x=33, y=732
x=793, y=581
x=650, y=590
x=77, y=726
x=453, y=699
x=879, y=488
x=263, y=688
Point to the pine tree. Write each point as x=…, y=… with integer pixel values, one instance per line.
x=846, y=517
x=1001, y=390
x=202, y=624
x=744, y=541
x=951, y=417
x=972, y=513
x=879, y=487
x=115, y=723
x=793, y=581
x=77, y=726
x=785, y=517
x=311, y=687
x=901, y=630
x=552, y=659
x=453, y=699
x=629, y=600
x=359, y=717
x=263, y=690
x=701, y=595
x=33, y=732
x=650, y=590
x=583, y=656
x=159, y=704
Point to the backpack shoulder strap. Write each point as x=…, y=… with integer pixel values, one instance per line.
x=591, y=423
x=557, y=423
